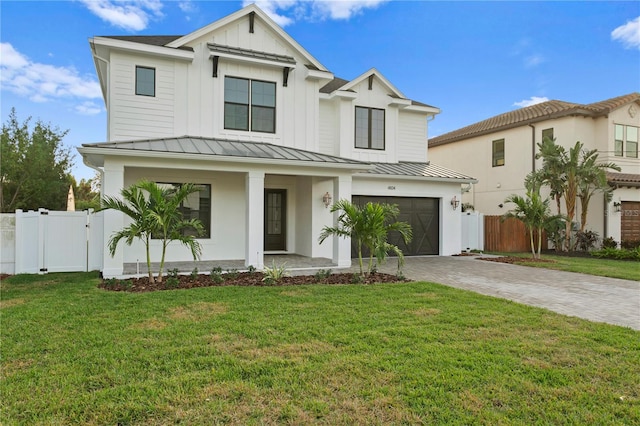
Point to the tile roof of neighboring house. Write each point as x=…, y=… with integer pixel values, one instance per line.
x=152, y=40
x=532, y=114
x=420, y=170
x=222, y=147
x=623, y=179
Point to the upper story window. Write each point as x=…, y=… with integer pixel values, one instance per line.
x=497, y=150
x=626, y=141
x=196, y=206
x=249, y=105
x=145, y=81
x=369, y=128
x=547, y=134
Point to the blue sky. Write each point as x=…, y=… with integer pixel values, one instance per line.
x=471, y=59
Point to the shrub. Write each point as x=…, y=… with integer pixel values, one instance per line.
x=275, y=273
x=618, y=254
x=194, y=274
x=322, y=274
x=609, y=242
x=216, y=276
x=586, y=240
x=232, y=274
x=172, y=278
x=630, y=244
x=251, y=269
x=357, y=279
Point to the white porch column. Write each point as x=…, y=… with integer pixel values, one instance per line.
x=112, y=183
x=254, y=245
x=341, y=246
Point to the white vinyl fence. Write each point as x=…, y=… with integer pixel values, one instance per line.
x=37, y=242
x=472, y=231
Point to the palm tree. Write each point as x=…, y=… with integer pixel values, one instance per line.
x=593, y=178
x=154, y=213
x=533, y=211
x=368, y=227
x=552, y=171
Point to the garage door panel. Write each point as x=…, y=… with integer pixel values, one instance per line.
x=423, y=216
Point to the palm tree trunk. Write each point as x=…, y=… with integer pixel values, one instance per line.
x=164, y=250
x=151, y=280
x=539, y=241
x=533, y=247
x=360, y=256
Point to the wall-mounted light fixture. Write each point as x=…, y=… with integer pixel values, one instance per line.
x=455, y=202
x=617, y=206
x=326, y=199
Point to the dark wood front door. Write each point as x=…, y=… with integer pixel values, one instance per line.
x=275, y=219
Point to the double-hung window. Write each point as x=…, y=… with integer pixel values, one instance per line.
x=626, y=141
x=369, y=128
x=249, y=105
x=497, y=150
x=196, y=206
x=145, y=81
x=547, y=134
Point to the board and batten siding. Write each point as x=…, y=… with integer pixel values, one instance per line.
x=412, y=137
x=140, y=117
x=328, y=129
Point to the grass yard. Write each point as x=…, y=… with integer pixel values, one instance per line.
x=406, y=353
x=624, y=269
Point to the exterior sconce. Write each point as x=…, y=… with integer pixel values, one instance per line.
x=617, y=206
x=326, y=199
x=455, y=202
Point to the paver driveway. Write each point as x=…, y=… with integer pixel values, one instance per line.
x=601, y=299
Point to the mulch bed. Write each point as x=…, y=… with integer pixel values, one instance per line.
x=140, y=285
x=513, y=259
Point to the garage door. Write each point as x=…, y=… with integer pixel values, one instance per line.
x=630, y=221
x=423, y=216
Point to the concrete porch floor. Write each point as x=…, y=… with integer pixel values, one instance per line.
x=295, y=263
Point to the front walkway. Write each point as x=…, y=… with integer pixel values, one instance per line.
x=599, y=299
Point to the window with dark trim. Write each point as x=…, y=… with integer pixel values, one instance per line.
x=369, y=128
x=497, y=150
x=626, y=141
x=196, y=206
x=249, y=105
x=547, y=134
x=619, y=140
x=145, y=81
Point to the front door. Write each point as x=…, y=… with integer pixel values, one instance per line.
x=275, y=219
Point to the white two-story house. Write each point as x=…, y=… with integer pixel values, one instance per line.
x=272, y=137
x=500, y=151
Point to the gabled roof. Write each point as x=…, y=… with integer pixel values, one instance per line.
x=533, y=114
x=418, y=170
x=254, y=10
x=215, y=147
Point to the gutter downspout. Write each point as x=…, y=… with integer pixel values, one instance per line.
x=533, y=147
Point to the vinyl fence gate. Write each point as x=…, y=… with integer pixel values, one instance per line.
x=58, y=241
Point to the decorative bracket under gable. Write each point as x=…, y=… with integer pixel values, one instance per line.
x=215, y=60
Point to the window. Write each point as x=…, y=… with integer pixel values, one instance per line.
x=369, y=128
x=626, y=141
x=498, y=152
x=619, y=140
x=196, y=206
x=547, y=134
x=145, y=81
x=249, y=105
x=632, y=142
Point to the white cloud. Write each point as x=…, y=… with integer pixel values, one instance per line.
x=531, y=101
x=187, y=6
x=628, y=34
x=88, y=108
x=312, y=9
x=42, y=82
x=131, y=15
x=533, y=60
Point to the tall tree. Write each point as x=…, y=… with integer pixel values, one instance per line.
x=368, y=227
x=155, y=213
x=593, y=179
x=34, y=166
x=85, y=196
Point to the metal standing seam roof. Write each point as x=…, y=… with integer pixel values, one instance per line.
x=425, y=170
x=238, y=51
x=222, y=147
x=532, y=114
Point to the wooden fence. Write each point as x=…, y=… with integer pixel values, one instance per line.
x=509, y=236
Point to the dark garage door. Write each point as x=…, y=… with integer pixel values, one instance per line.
x=423, y=216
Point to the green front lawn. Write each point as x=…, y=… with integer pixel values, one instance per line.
x=624, y=269
x=382, y=354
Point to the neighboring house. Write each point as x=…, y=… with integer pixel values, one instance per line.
x=500, y=152
x=242, y=109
